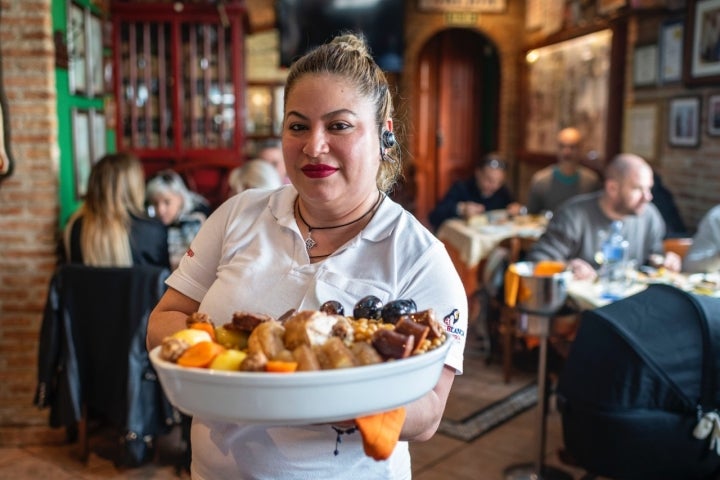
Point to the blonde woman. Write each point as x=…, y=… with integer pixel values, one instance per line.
x=256, y=173
x=111, y=228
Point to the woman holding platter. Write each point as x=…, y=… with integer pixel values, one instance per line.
x=333, y=234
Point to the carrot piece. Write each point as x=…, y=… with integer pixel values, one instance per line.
x=381, y=432
x=280, y=366
x=200, y=355
x=208, y=327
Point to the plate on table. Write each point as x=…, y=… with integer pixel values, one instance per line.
x=299, y=398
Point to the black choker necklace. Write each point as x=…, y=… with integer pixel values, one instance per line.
x=310, y=242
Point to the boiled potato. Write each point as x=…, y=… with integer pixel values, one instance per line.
x=191, y=336
x=228, y=360
x=231, y=338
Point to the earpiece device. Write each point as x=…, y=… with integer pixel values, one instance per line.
x=387, y=139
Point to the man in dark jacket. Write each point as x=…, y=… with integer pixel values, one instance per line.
x=485, y=191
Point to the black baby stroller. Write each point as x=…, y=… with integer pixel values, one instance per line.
x=641, y=387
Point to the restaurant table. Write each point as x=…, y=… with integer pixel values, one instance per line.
x=470, y=242
x=588, y=294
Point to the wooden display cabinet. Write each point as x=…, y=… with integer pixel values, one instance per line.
x=179, y=85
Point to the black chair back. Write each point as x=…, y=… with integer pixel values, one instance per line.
x=92, y=358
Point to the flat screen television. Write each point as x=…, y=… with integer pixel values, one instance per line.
x=304, y=24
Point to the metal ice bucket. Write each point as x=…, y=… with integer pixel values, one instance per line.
x=541, y=294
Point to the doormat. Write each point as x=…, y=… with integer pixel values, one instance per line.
x=492, y=416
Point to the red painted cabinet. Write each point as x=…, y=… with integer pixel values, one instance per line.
x=179, y=87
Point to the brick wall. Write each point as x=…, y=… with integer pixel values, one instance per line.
x=28, y=212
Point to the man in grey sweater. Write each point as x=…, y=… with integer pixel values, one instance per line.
x=573, y=234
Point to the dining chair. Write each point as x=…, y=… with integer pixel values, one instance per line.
x=496, y=321
x=92, y=359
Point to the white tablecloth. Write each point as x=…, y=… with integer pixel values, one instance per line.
x=474, y=243
x=588, y=294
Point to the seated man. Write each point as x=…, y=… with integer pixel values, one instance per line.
x=484, y=192
x=704, y=254
x=573, y=233
x=554, y=184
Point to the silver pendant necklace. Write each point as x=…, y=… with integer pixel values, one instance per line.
x=310, y=242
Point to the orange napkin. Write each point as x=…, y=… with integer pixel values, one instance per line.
x=512, y=286
x=381, y=432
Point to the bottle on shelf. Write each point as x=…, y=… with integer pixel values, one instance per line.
x=613, y=273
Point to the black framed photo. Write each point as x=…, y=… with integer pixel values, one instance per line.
x=671, y=51
x=684, y=122
x=702, y=43
x=713, y=115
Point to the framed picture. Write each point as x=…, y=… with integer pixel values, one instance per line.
x=82, y=152
x=684, y=122
x=640, y=136
x=568, y=85
x=671, y=51
x=702, y=43
x=713, y=115
x=645, y=66
x=95, y=64
x=77, y=48
x=98, y=128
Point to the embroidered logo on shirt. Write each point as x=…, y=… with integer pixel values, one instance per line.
x=190, y=253
x=450, y=320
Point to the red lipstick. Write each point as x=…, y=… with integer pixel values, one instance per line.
x=318, y=171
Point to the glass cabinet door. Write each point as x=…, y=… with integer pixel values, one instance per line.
x=208, y=107
x=179, y=77
x=146, y=95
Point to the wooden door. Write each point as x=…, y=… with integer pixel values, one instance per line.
x=457, y=114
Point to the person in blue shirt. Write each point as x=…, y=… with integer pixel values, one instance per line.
x=485, y=191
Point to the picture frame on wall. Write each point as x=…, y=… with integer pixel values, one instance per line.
x=645, y=66
x=671, y=51
x=684, y=122
x=564, y=79
x=98, y=128
x=713, y=115
x=82, y=151
x=77, y=48
x=702, y=43
x=640, y=136
x=95, y=64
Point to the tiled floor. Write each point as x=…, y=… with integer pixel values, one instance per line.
x=440, y=458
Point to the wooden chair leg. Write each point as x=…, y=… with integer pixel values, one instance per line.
x=507, y=326
x=83, y=435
